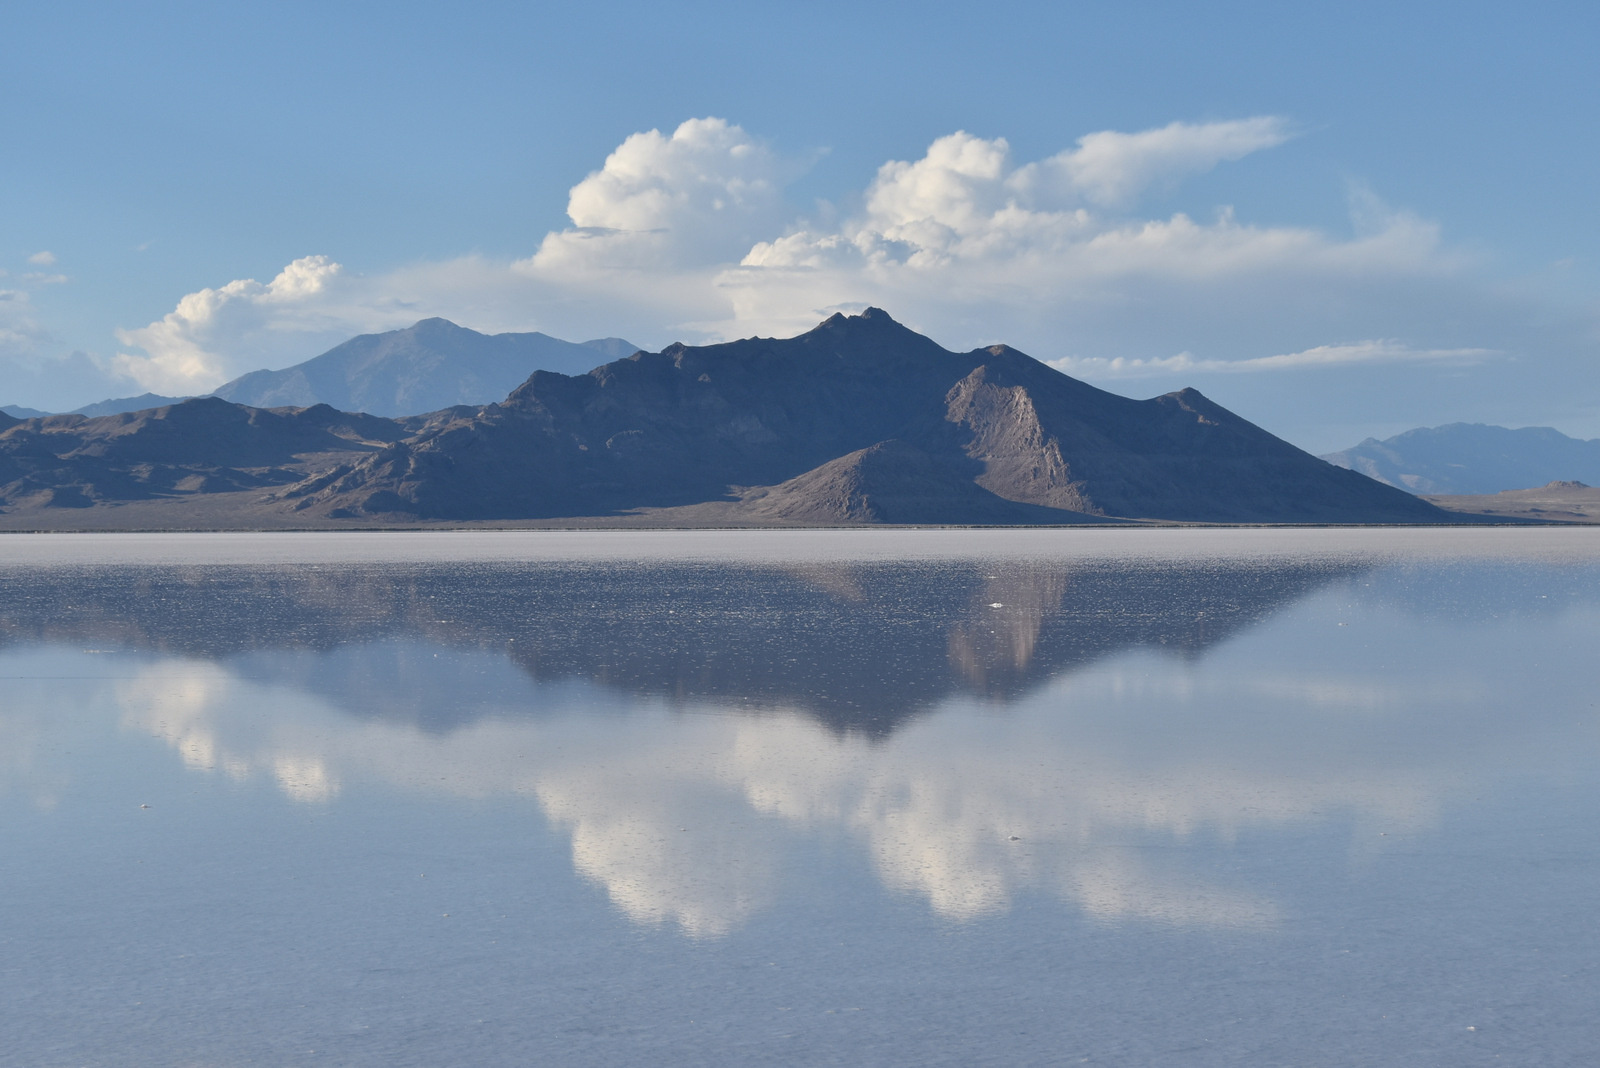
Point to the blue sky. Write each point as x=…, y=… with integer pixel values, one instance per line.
x=1338, y=222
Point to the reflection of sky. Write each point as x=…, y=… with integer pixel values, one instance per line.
x=1112, y=787
x=1140, y=811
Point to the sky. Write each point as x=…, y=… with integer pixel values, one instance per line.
x=1336, y=220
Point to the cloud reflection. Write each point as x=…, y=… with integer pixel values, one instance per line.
x=980, y=732
x=689, y=819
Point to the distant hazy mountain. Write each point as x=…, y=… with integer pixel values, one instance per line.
x=114, y=406
x=424, y=368
x=118, y=405
x=1473, y=458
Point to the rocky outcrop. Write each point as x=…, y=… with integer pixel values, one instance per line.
x=890, y=482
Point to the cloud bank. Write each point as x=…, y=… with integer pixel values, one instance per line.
x=687, y=236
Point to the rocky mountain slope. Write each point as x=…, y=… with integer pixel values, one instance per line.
x=199, y=447
x=1471, y=458
x=859, y=420
x=773, y=425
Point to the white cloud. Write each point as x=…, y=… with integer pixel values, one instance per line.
x=1112, y=168
x=21, y=335
x=702, y=195
x=686, y=236
x=963, y=233
x=1359, y=352
x=43, y=259
x=240, y=326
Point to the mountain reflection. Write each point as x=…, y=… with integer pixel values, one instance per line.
x=860, y=647
x=686, y=726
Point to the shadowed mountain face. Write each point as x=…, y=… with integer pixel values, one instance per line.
x=857, y=421
x=1471, y=458
x=432, y=365
x=199, y=446
x=974, y=430
x=859, y=647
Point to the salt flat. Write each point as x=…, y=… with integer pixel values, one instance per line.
x=133, y=548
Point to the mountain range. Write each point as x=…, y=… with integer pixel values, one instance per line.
x=431, y=365
x=859, y=420
x=1471, y=458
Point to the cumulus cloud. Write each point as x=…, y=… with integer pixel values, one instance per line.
x=964, y=232
x=215, y=333
x=180, y=344
x=687, y=236
x=701, y=195
x=43, y=259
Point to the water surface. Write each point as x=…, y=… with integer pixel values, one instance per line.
x=880, y=798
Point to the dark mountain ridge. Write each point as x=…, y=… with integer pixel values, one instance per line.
x=859, y=420
x=692, y=424
x=206, y=445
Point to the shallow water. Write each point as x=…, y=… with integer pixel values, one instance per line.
x=870, y=798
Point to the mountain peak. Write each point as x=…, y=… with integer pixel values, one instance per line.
x=432, y=365
x=875, y=318
x=438, y=325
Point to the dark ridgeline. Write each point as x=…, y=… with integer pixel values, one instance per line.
x=859, y=420
x=201, y=446
x=841, y=421
x=859, y=647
